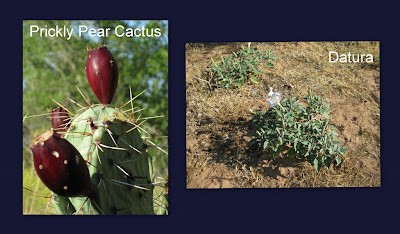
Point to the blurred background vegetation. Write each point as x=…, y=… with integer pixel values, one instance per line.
x=53, y=67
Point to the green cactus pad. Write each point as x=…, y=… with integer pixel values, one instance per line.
x=117, y=160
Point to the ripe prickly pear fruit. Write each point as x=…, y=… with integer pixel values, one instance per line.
x=60, y=120
x=102, y=74
x=60, y=166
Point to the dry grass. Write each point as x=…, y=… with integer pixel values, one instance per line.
x=217, y=119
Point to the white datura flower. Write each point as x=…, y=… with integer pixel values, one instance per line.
x=271, y=91
x=273, y=98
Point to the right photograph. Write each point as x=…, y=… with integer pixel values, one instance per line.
x=283, y=114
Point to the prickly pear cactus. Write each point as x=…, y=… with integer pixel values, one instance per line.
x=96, y=162
x=117, y=160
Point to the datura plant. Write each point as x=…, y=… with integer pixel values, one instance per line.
x=243, y=65
x=96, y=161
x=298, y=129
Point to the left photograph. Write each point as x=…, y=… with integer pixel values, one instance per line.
x=95, y=117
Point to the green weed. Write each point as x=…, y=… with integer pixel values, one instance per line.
x=299, y=130
x=243, y=65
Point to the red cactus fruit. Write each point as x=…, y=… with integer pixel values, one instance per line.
x=102, y=74
x=60, y=166
x=60, y=120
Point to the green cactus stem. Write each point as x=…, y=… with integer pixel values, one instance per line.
x=118, y=164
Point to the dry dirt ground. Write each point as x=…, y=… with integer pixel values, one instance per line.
x=218, y=126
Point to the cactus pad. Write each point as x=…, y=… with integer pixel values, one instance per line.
x=119, y=166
